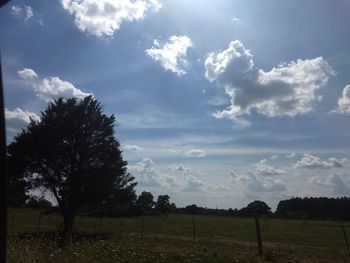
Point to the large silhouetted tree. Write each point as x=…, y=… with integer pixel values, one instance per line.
x=72, y=152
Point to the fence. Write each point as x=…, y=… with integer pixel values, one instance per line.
x=259, y=233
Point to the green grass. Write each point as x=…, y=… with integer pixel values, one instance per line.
x=34, y=238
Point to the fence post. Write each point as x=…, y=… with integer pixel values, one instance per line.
x=193, y=229
x=142, y=227
x=346, y=240
x=258, y=235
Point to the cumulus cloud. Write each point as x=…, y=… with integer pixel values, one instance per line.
x=179, y=168
x=196, y=153
x=312, y=162
x=133, y=148
x=265, y=184
x=234, y=177
x=53, y=88
x=27, y=73
x=104, y=17
x=18, y=119
x=235, y=20
x=274, y=157
x=171, y=55
x=146, y=172
x=19, y=12
x=290, y=155
x=335, y=182
x=147, y=175
x=264, y=168
x=285, y=90
x=343, y=106
x=193, y=184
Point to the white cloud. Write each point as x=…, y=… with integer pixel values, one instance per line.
x=343, y=106
x=104, y=17
x=172, y=55
x=25, y=12
x=236, y=177
x=274, y=157
x=18, y=119
x=27, y=73
x=290, y=155
x=179, y=168
x=312, y=162
x=265, y=184
x=134, y=148
x=193, y=184
x=287, y=90
x=264, y=168
x=196, y=153
x=235, y=20
x=337, y=182
x=53, y=88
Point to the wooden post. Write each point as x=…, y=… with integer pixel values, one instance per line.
x=346, y=240
x=258, y=235
x=193, y=229
x=142, y=227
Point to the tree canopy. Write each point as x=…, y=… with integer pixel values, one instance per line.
x=72, y=153
x=163, y=203
x=145, y=201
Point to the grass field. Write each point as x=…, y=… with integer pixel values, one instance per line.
x=34, y=238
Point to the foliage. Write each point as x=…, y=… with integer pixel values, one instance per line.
x=145, y=201
x=255, y=208
x=17, y=186
x=315, y=208
x=72, y=153
x=38, y=202
x=163, y=203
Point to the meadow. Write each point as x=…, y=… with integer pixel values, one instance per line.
x=34, y=237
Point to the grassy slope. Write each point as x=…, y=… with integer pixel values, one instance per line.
x=169, y=239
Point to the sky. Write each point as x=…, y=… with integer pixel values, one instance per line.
x=218, y=103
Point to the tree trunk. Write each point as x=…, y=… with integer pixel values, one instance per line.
x=68, y=221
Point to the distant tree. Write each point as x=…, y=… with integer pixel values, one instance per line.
x=145, y=201
x=315, y=208
x=173, y=207
x=163, y=203
x=72, y=153
x=255, y=208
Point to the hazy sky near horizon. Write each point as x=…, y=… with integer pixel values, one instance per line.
x=218, y=103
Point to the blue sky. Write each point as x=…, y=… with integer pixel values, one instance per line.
x=218, y=103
